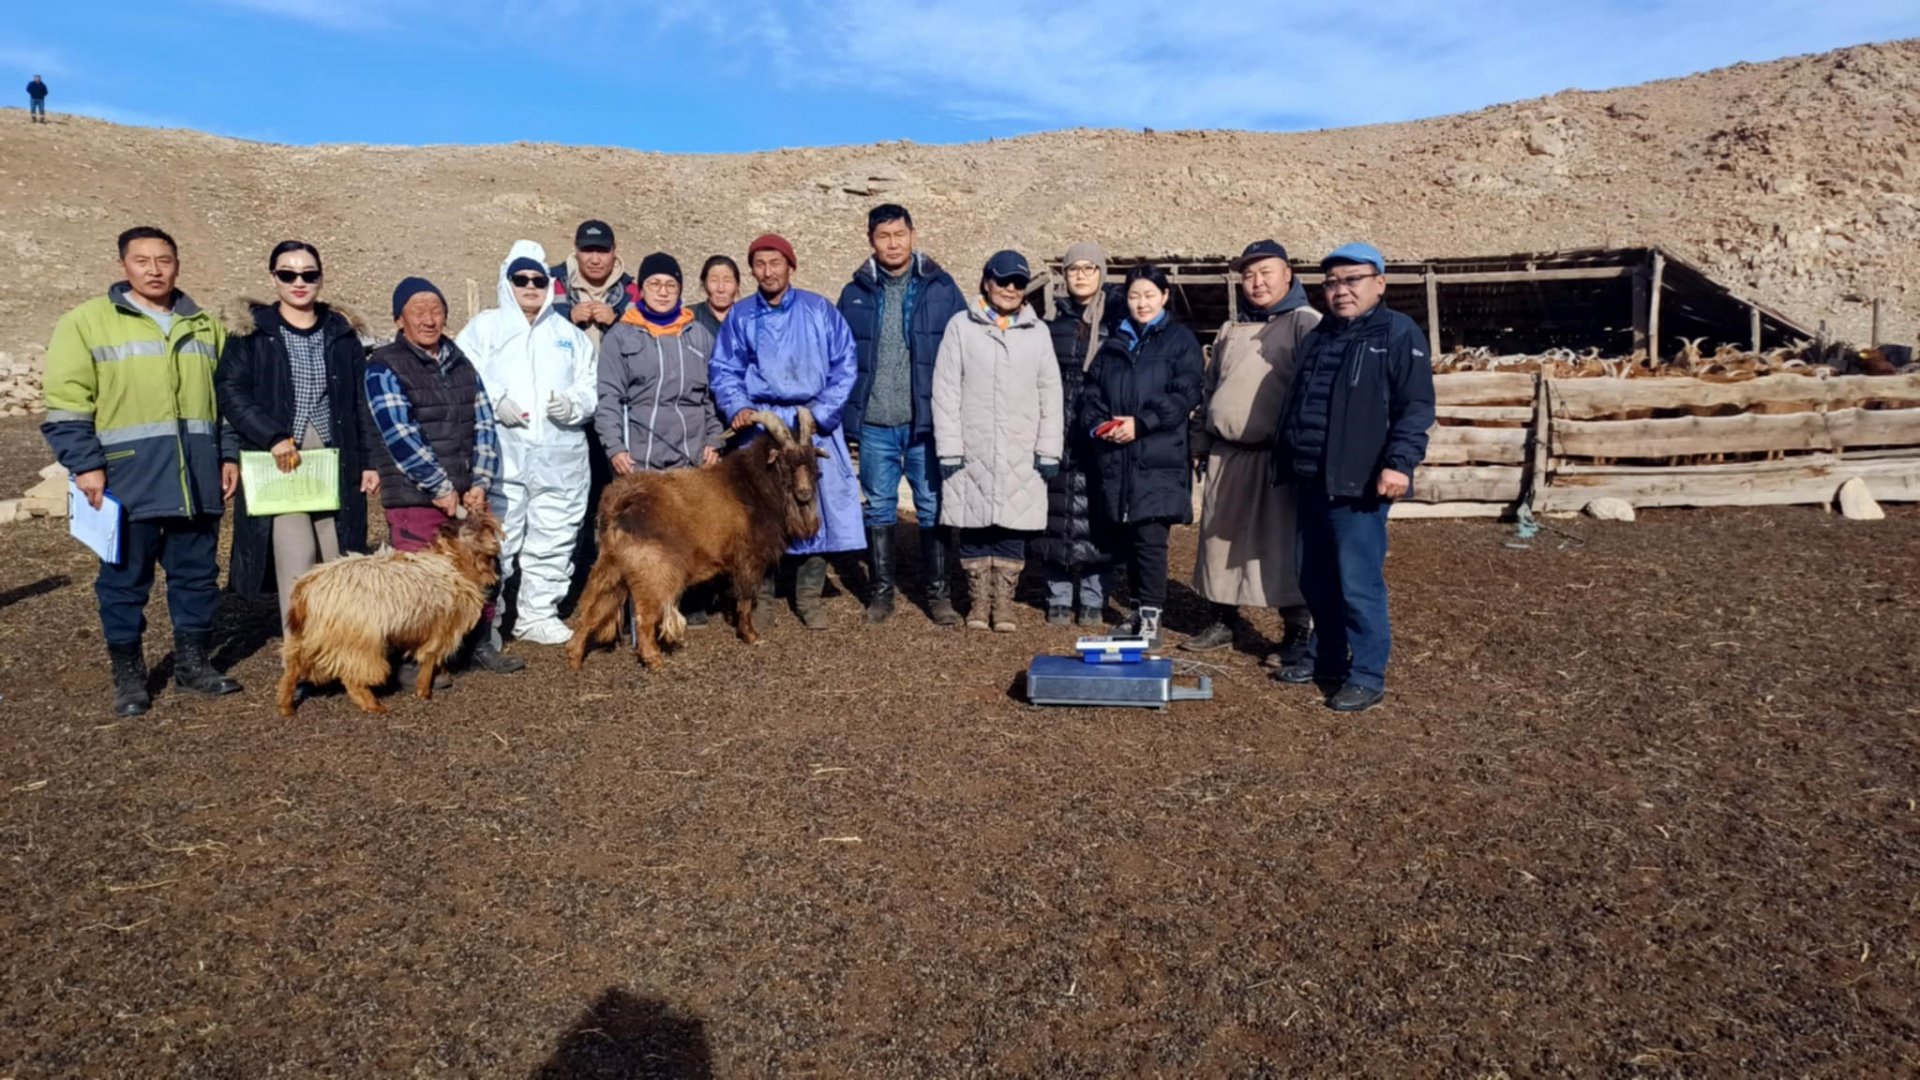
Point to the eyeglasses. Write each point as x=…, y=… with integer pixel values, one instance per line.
x=1334, y=284
x=1077, y=269
x=1009, y=283
x=529, y=281
x=291, y=276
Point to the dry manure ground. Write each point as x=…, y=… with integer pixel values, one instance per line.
x=1640, y=803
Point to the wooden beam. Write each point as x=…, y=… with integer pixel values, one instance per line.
x=1593, y=399
x=1233, y=297
x=1477, y=446
x=1810, y=479
x=1640, y=347
x=1690, y=436
x=1503, y=277
x=1874, y=339
x=1467, y=483
x=1542, y=446
x=1416, y=511
x=1753, y=325
x=1484, y=388
x=1433, y=314
x=1485, y=414
x=1653, y=304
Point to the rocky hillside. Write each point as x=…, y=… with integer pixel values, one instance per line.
x=1797, y=181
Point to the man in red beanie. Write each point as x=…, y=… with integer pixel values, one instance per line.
x=779, y=350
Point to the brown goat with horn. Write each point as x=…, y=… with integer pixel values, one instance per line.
x=663, y=531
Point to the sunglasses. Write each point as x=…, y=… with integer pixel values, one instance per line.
x=1010, y=282
x=291, y=276
x=529, y=281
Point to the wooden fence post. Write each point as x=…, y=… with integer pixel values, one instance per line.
x=1537, y=483
x=1433, y=313
x=1874, y=341
x=1653, y=304
x=1753, y=314
x=1640, y=349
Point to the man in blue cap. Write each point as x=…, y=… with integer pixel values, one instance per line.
x=1354, y=430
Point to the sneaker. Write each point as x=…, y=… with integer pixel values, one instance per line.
x=1059, y=616
x=1217, y=636
x=549, y=632
x=1352, y=698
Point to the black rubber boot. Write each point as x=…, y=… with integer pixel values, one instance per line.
x=193, y=671
x=880, y=573
x=809, y=581
x=934, y=552
x=130, y=697
x=766, y=608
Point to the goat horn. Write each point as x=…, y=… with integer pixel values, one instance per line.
x=807, y=428
x=775, y=426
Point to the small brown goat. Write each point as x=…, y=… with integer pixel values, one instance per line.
x=663, y=531
x=347, y=614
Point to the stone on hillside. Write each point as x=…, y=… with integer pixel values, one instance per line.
x=55, y=471
x=1610, y=509
x=10, y=511
x=1857, y=502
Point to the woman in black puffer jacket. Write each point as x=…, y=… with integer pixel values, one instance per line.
x=1138, y=397
x=1069, y=552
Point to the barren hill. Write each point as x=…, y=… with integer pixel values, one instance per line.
x=1796, y=181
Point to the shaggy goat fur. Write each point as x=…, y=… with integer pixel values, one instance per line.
x=663, y=531
x=348, y=614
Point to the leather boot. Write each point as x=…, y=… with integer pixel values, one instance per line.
x=880, y=573
x=193, y=671
x=809, y=581
x=1006, y=575
x=979, y=593
x=934, y=578
x=130, y=697
x=766, y=608
x=1298, y=623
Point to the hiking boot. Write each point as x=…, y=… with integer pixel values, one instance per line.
x=1059, y=616
x=1293, y=645
x=1006, y=575
x=934, y=579
x=809, y=581
x=979, y=592
x=193, y=671
x=1353, y=698
x=1299, y=673
x=130, y=697
x=484, y=655
x=880, y=573
x=1092, y=619
x=1216, y=636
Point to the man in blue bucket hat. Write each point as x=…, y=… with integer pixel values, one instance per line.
x=1354, y=430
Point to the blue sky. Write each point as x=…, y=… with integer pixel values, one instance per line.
x=722, y=75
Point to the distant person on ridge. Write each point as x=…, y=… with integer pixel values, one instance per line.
x=132, y=413
x=720, y=280
x=1354, y=429
x=37, y=100
x=898, y=305
x=1246, y=521
x=782, y=349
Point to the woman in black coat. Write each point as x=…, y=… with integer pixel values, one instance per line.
x=290, y=379
x=1069, y=551
x=1143, y=387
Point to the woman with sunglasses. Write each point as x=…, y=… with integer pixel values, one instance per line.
x=538, y=370
x=290, y=380
x=1142, y=389
x=997, y=430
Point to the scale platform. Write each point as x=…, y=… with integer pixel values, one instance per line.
x=1069, y=680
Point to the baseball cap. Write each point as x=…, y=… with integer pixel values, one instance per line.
x=1259, y=249
x=1356, y=253
x=1008, y=265
x=593, y=236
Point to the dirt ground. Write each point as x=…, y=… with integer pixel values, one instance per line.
x=1642, y=801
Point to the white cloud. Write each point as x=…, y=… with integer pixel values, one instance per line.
x=1153, y=63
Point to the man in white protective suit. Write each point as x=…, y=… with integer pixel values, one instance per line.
x=541, y=372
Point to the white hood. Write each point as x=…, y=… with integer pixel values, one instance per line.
x=524, y=249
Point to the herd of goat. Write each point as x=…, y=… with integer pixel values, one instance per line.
x=1728, y=363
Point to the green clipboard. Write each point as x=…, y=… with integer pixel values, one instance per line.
x=311, y=488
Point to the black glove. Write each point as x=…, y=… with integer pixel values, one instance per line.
x=1047, y=467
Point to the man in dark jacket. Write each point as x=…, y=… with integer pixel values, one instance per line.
x=1354, y=430
x=898, y=306
x=37, y=100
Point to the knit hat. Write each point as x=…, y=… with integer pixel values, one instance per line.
x=410, y=288
x=1085, y=252
x=773, y=242
x=523, y=265
x=1094, y=315
x=662, y=263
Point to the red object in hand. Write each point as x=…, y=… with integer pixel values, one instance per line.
x=1107, y=428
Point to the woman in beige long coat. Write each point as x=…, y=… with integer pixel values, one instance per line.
x=997, y=429
x=1246, y=523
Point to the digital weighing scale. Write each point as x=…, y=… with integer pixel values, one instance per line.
x=1112, y=671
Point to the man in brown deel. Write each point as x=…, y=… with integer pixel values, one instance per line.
x=1246, y=523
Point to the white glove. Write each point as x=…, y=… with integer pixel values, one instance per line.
x=509, y=413
x=560, y=410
